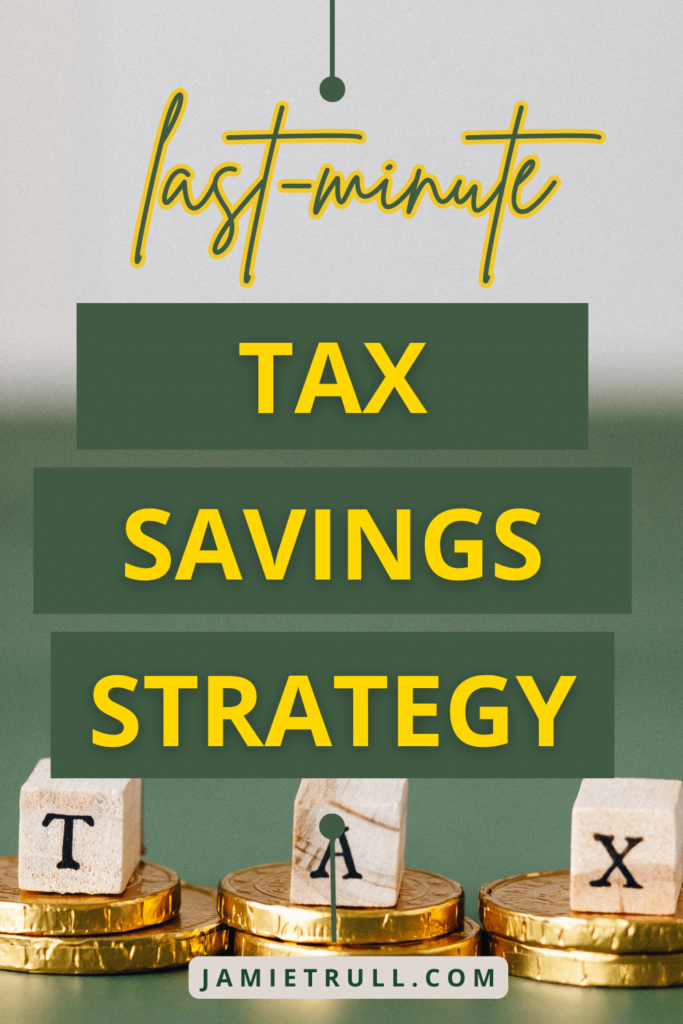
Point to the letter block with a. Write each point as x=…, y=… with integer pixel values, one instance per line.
x=367, y=858
x=78, y=835
x=627, y=846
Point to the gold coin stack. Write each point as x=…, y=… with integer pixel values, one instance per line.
x=428, y=919
x=156, y=922
x=528, y=921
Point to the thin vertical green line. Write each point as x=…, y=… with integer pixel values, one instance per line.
x=333, y=885
x=332, y=88
x=332, y=39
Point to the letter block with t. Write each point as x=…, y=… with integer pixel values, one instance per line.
x=627, y=846
x=367, y=858
x=78, y=835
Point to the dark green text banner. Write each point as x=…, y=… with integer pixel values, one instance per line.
x=171, y=376
x=332, y=540
x=443, y=705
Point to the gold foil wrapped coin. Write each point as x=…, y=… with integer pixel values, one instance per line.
x=464, y=943
x=581, y=967
x=534, y=909
x=151, y=897
x=256, y=900
x=196, y=931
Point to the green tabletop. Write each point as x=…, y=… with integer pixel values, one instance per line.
x=472, y=830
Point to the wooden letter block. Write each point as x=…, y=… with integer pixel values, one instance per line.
x=368, y=858
x=627, y=846
x=78, y=835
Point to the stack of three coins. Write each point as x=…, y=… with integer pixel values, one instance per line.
x=427, y=920
x=156, y=922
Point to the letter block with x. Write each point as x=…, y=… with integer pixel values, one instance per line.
x=627, y=846
x=367, y=858
x=78, y=835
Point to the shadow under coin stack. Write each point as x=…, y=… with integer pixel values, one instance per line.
x=157, y=922
x=528, y=921
x=427, y=920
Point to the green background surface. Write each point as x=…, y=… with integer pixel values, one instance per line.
x=473, y=830
x=170, y=375
x=583, y=729
x=583, y=534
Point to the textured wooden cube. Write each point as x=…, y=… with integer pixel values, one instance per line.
x=627, y=846
x=368, y=857
x=78, y=835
